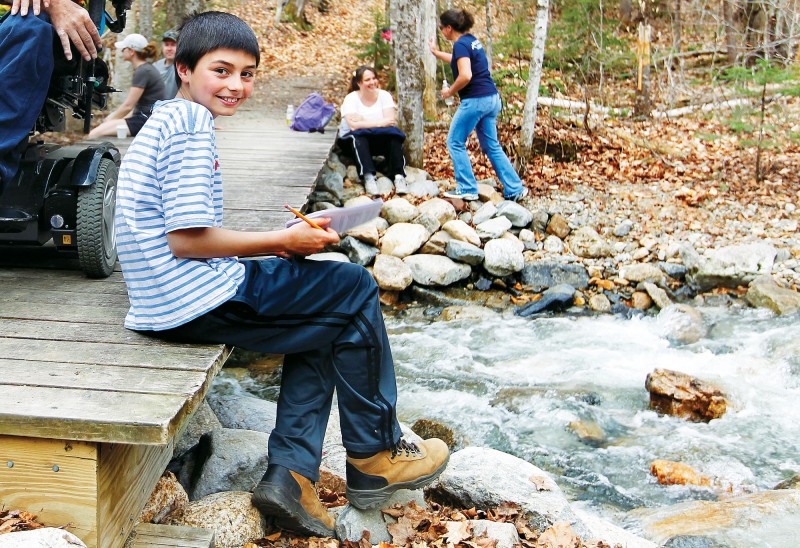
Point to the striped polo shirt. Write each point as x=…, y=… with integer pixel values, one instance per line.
x=170, y=180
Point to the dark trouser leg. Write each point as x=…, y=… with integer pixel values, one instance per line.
x=26, y=64
x=325, y=316
x=359, y=148
x=392, y=149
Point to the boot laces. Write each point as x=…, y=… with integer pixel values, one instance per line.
x=406, y=447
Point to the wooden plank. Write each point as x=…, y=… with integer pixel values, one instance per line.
x=151, y=535
x=117, y=300
x=58, y=498
x=140, y=380
x=126, y=476
x=108, y=314
x=18, y=328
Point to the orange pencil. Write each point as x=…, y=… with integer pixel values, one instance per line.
x=306, y=219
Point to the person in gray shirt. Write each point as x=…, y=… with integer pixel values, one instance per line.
x=166, y=66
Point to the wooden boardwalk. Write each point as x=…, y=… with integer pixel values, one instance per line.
x=89, y=410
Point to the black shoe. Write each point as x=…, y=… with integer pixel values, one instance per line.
x=291, y=499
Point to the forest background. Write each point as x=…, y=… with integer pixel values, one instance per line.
x=698, y=97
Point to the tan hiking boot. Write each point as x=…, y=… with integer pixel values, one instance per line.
x=371, y=481
x=291, y=499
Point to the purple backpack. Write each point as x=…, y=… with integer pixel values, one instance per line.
x=313, y=114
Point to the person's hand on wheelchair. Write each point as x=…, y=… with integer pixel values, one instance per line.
x=70, y=21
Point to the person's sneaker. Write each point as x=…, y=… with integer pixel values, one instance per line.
x=371, y=185
x=400, y=184
x=372, y=480
x=458, y=195
x=518, y=196
x=291, y=499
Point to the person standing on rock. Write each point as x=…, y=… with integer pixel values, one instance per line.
x=369, y=127
x=480, y=105
x=186, y=283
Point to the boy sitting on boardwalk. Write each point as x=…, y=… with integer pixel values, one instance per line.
x=186, y=283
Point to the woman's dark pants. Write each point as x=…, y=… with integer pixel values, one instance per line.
x=363, y=147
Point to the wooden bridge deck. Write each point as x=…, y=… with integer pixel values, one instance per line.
x=77, y=387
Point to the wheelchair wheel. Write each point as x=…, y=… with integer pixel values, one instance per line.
x=97, y=250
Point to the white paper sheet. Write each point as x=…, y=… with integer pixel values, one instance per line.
x=345, y=218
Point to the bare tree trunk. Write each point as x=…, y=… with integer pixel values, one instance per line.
x=534, y=78
x=643, y=104
x=626, y=11
x=728, y=11
x=489, y=33
x=677, y=25
x=409, y=46
x=123, y=71
x=429, y=27
x=145, y=19
x=178, y=10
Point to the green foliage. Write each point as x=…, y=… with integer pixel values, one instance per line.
x=376, y=51
x=762, y=73
x=518, y=39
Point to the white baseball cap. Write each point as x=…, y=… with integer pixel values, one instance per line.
x=136, y=42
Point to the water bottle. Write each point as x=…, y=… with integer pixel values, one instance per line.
x=289, y=114
x=445, y=87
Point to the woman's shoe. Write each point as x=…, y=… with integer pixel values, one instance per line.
x=400, y=184
x=371, y=185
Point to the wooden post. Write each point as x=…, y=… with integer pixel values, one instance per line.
x=642, y=104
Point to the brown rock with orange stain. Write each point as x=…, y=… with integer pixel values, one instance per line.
x=681, y=395
x=676, y=473
x=167, y=496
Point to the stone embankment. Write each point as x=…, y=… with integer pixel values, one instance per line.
x=616, y=253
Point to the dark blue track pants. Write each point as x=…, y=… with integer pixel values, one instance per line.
x=26, y=64
x=325, y=317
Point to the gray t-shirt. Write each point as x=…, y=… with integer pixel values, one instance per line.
x=148, y=78
x=169, y=77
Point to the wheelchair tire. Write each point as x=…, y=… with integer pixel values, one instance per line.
x=97, y=250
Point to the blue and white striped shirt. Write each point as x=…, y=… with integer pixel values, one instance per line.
x=170, y=180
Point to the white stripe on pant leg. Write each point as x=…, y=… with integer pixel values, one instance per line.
x=358, y=159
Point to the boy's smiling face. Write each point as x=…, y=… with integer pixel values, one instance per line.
x=221, y=81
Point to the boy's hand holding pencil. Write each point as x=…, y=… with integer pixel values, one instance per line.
x=310, y=236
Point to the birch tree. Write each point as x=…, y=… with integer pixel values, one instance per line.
x=409, y=47
x=429, y=26
x=145, y=10
x=534, y=79
x=177, y=10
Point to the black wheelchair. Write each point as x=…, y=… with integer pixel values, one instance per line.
x=68, y=193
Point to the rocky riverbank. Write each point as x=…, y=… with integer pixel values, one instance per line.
x=637, y=249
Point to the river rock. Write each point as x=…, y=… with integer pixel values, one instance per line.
x=677, y=473
x=391, y=273
x=436, y=269
x=658, y=295
x=427, y=220
x=681, y=324
x=599, y=303
x=46, y=537
x=243, y=411
x=487, y=192
x=398, y=210
x=460, y=230
x=428, y=428
x=441, y=209
x=352, y=173
x=540, y=220
x=642, y=272
x=231, y=515
x=623, y=228
x=203, y=420
x=681, y=395
x=503, y=257
x=768, y=518
x=764, y=292
x=437, y=244
x=504, y=534
x=236, y=460
x=403, y=239
x=322, y=199
x=465, y=252
x=493, y=228
x=484, y=478
x=487, y=211
x=557, y=225
x=329, y=256
x=610, y=534
x=357, y=251
x=640, y=300
x=367, y=233
x=353, y=522
x=335, y=164
x=588, y=432
x=586, y=242
x=791, y=483
x=422, y=189
x=543, y=274
x=676, y=271
x=553, y=244
x=333, y=183
x=557, y=297
x=517, y=214
x=730, y=266
x=385, y=186
x=167, y=496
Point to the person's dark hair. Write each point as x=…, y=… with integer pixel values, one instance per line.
x=149, y=52
x=211, y=30
x=358, y=76
x=460, y=20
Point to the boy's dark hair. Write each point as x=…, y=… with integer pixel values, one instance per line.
x=460, y=20
x=358, y=76
x=205, y=32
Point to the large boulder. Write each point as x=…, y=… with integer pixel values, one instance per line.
x=764, y=292
x=681, y=395
x=231, y=515
x=502, y=257
x=517, y=214
x=540, y=275
x=586, y=242
x=357, y=251
x=403, y=239
x=731, y=266
x=167, y=496
x=47, y=537
x=203, y=420
x=441, y=209
x=681, y=324
x=391, y=273
x=436, y=269
x=352, y=522
x=460, y=230
x=243, y=411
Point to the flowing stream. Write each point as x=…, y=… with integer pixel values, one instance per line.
x=517, y=384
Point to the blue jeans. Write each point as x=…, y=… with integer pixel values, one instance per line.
x=26, y=64
x=326, y=318
x=480, y=114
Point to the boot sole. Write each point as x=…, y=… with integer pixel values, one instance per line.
x=288, y=513
x=364, y=499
